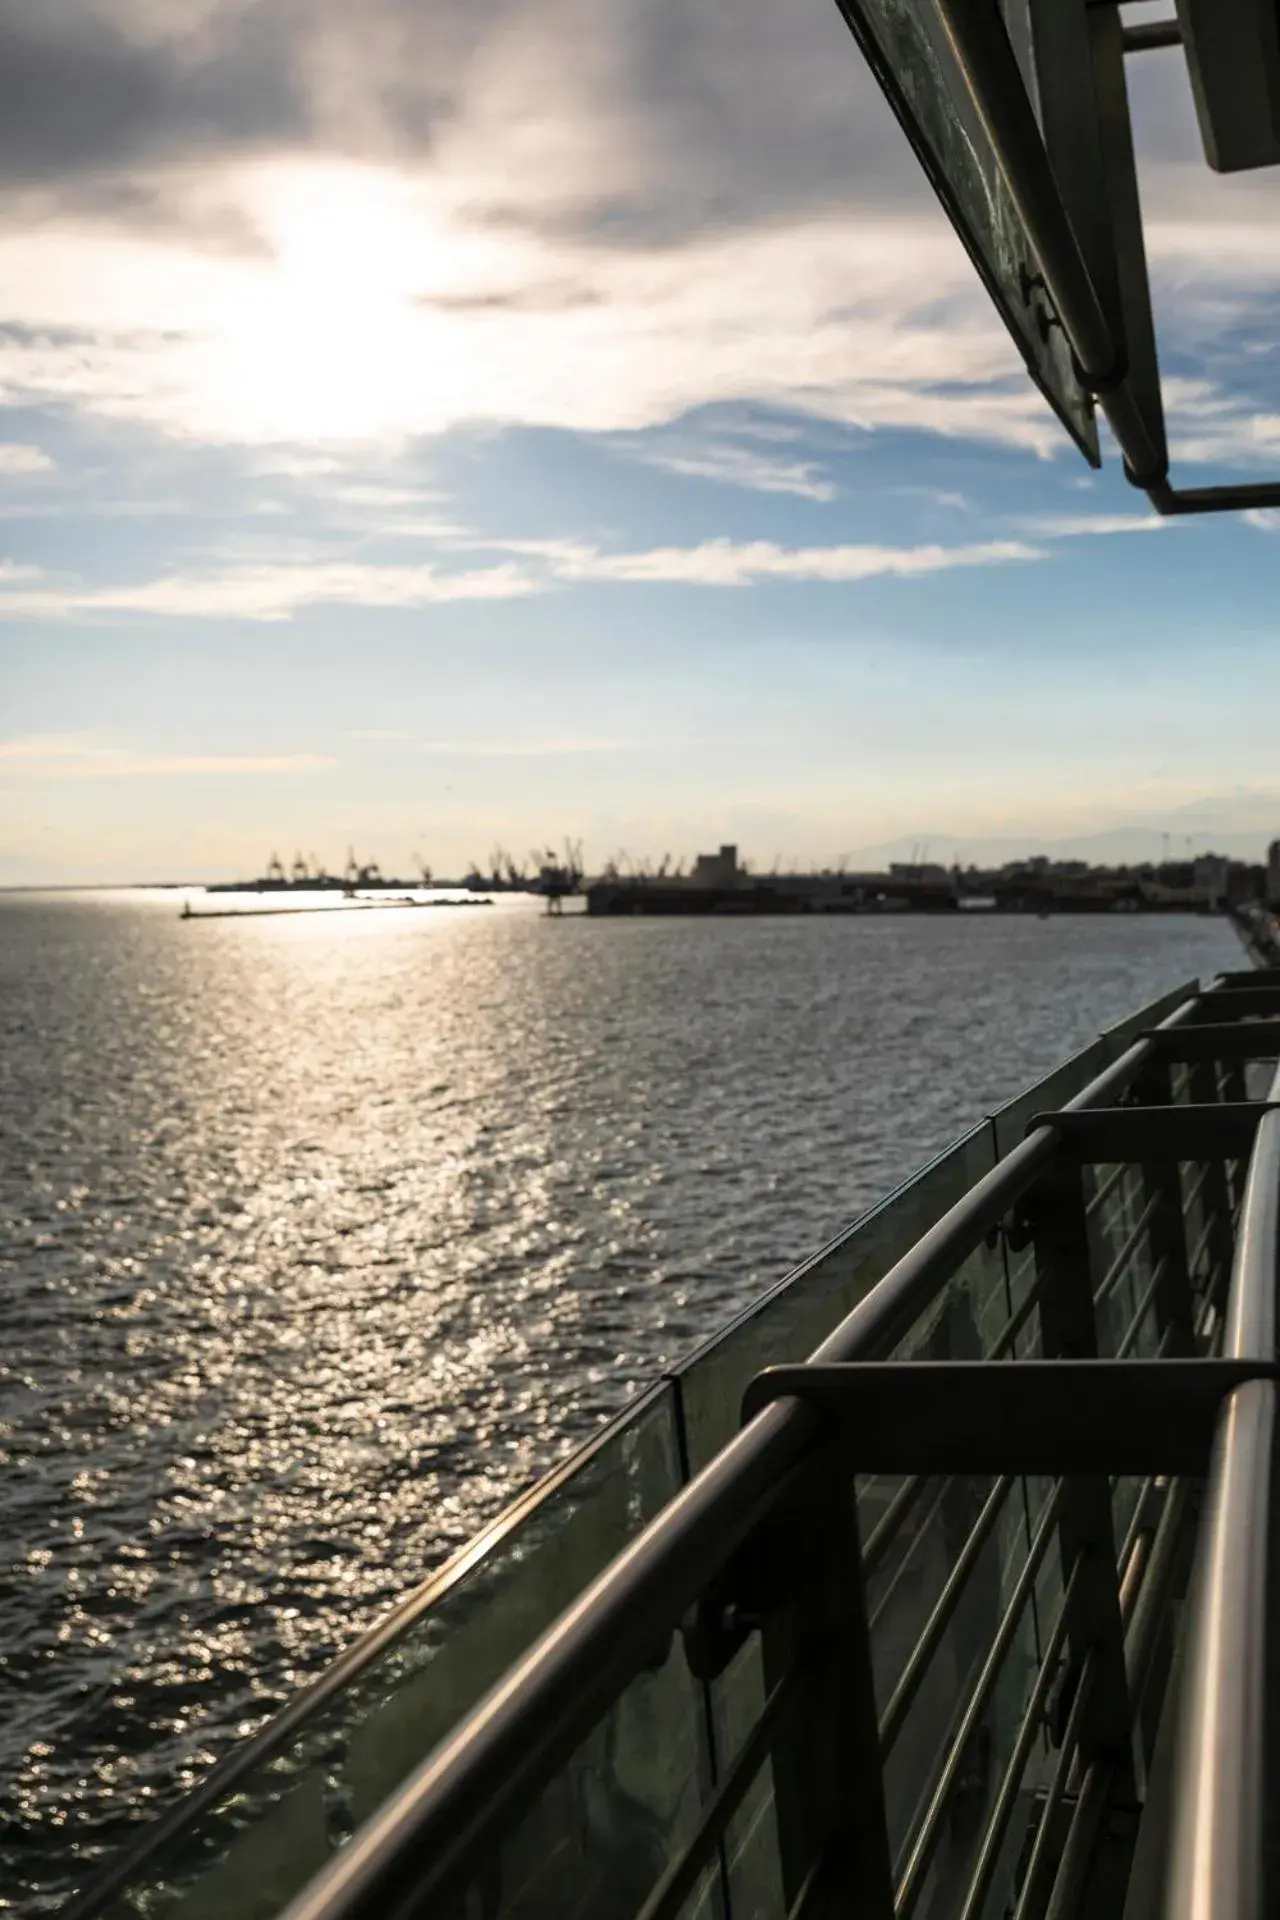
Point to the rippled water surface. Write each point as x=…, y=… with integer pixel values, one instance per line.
x=322, y=1235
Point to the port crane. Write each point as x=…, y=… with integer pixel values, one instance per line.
x=557, y=879
x=357, y=874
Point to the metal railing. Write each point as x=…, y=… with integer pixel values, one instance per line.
x=960, y=1681
x=1259, y=929
x=1222, y=1814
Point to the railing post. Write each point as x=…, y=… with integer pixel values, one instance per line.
x=828, y=1787
x=1167, y=1239
x=1095, y=1632
x=1229, y=1077
x=1215, y=1197
x=1232, y=1080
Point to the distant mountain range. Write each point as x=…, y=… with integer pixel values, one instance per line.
x=1240, y=824
x=1120, y=846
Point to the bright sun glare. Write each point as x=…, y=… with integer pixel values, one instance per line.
x=329, y=338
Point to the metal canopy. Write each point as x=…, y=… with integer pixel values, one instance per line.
x=913, y=55
x=1019, y=114
x=1233, y=56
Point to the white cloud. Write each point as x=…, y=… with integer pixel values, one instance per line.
x=78, y=757
x=269, y=592
x=276, y=592
x=17, y=459
x=1241, y=440
x=724, y=563
x=518, y=749
x=42, y=746
x=361, y=493
x=734, y=466
x=1209, y=426
x=1069, y=526
x=1265, y=519
x=729, y=563
x=492, y=747
x=412, y=318
x=704, y=205
x=296, y=466
x=1210, y=239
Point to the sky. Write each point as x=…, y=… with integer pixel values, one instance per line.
x=424, y=428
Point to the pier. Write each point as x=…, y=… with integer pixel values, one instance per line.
x=343, y=905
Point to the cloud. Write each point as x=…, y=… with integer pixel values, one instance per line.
x=725, y=563
x=1210, y=238
x=1239, y=440
x=1210, y=425
x=490, y=748
x=93, y=95
x=378, y=495
x=40, y=747
x=78, y=757
x=733, y=466
x=268, y=592
x=445, y=222
x=1069, y=526
x=1265, y=519
x=277, y=592
x=295, y=220
x=872, y=323
x=518, y=749
x=671, y=117
x=16, y=459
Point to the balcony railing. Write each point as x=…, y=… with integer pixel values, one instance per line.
x=920, y=1638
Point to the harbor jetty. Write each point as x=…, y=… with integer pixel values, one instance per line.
x=345, y=905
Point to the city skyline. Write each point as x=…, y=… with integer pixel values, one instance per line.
x=620, y=447
x=1131, y=847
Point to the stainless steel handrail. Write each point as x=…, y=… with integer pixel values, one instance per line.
x=1215, y=1865
x=1216, y=1869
